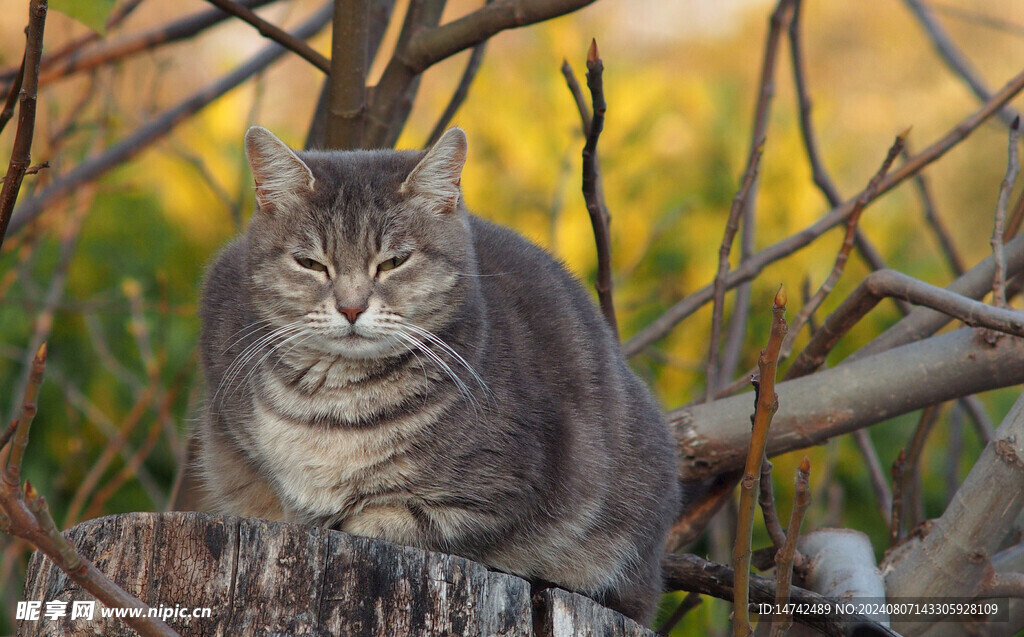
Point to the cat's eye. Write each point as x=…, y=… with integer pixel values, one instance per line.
x=391, y=263
x=310, y=264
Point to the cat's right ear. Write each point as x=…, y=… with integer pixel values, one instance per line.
x=281, y=177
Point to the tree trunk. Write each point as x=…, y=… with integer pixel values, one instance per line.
x=260, y=578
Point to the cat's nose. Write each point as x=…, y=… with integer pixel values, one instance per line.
x=351, y=313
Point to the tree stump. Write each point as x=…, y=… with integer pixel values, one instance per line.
x=269, y=578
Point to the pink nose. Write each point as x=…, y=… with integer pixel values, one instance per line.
x=351, y=313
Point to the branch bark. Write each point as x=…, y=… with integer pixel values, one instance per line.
x=712, y=437
x=346, y=107
x=21, y=154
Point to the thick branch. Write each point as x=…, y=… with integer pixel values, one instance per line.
x=889, y=283
x=346, y=106
x=951, y=559
x=712, y=437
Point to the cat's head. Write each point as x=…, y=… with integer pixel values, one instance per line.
x=358, y=253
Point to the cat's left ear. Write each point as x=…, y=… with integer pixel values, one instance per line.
x=437, y=177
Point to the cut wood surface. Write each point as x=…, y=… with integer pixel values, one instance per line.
x=269, y=578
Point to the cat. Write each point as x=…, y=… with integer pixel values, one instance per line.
x=382, y=362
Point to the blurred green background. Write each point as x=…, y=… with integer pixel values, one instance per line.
x=680, y=82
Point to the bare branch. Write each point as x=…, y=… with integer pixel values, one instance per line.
x=12, y=96
x=749, y=269
x=787, y=554
x=724, y=365
x=57, y=66
x=346, y=98
x=685, y=572
x=886, y=283
x=427, y=46
x=275, y=33
x=875, y=472
x=935, y=222
x=924, y=321
x=1012, y=168
x=476, y=58
x=766, y=500
x=161, y=125
x=767, y=403
x=949, y=52
x=913, y=507
x=577, y=95
x=731, y=225
x=21, y=154
x=593, y=193
x=691, y=601
x=27, y=516
x=712, y=438
x=897, y=516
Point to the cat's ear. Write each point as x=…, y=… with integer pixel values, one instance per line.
x=436, y=178
x=281, y=177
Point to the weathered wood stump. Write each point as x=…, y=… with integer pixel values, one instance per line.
x=268, y=578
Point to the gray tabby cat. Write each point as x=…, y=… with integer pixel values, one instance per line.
x=382, y=362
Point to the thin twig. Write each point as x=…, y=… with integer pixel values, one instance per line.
x=767, y=403
x=766, y=499
x=21, y=154
x=750, y=268
x=430, y=44
x=691, y=601
x=728, y=355
x=949, y=52
x=786, y=555
x=838, y=266
x=5, y=437
x=158, y=127
x=12, y=96
x=876, y=474
x=698, y=514
x=1012, y=168
x=956, y=441
x=275, y=33
x=911, y=475
x=978, y=18
x=896, y=519
x=935, y=222
x=32, y=170
x=28, y=517
x=593, y=192
x=885, y=283
x=1016, y=220
x=724, y=248
x=819, y=174
x=58, y=66
x=476, y=58
x=577, y=96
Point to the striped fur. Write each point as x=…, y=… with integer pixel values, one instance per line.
x=477, y=405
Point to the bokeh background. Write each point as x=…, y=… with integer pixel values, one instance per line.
x=110, y=275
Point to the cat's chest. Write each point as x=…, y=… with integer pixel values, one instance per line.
x=322, y=464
